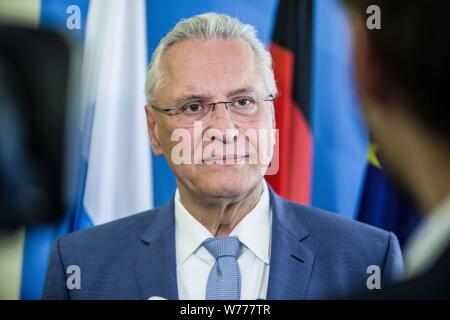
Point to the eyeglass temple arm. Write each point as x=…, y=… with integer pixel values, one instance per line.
x=270, y=98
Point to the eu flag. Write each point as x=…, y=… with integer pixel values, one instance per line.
x=383, y=205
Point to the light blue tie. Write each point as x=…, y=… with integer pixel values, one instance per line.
x=224, y=281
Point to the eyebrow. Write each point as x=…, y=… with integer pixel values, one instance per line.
x=191, y=97
x=187, y=97
x=241, y=90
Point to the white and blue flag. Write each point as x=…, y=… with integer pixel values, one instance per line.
x=116, y=148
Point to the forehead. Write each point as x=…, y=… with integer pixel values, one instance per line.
x=209, y=67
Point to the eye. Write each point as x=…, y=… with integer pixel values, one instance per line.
x=243, y=102
x=193, y=108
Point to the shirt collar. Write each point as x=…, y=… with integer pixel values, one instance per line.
x=254, y=231
x=189, y=233
x=428, y=241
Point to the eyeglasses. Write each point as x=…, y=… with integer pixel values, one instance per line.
x=241, y=108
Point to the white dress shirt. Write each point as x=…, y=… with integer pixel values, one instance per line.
x=429, y=241
x=194, y=262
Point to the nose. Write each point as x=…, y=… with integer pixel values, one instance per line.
x=222, y=124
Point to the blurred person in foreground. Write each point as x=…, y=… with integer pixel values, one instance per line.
x=36, y=184
x=225, y=234
x=402, y=72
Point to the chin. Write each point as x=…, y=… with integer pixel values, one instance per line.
x=229, y=182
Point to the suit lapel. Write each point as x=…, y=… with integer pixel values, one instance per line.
x=291, y=261
x=156, y=264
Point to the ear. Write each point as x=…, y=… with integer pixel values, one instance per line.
x=152, y=130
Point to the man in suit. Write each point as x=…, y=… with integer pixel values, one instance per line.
x=402, y=75
x=225, y=234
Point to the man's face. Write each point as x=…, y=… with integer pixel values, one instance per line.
x=221, y=154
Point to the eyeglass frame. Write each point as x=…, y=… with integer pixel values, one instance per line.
x=211, y=105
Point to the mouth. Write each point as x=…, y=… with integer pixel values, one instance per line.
x=227, y=159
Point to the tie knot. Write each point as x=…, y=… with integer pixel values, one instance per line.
x=223, y=246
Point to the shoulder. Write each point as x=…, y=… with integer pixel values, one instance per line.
x=348, y=245
x=113, y=235
x=314, y=218
x=330, y=229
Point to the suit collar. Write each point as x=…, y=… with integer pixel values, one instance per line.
x=156, y=266
x=291, y=262
x=163, y=218
x=286, y=218
x=428, y=241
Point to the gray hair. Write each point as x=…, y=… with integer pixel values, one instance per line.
x=209, y=26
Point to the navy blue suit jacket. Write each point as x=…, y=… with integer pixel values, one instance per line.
x=314, y=255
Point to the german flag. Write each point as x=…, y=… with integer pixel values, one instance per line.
x=291, y=53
